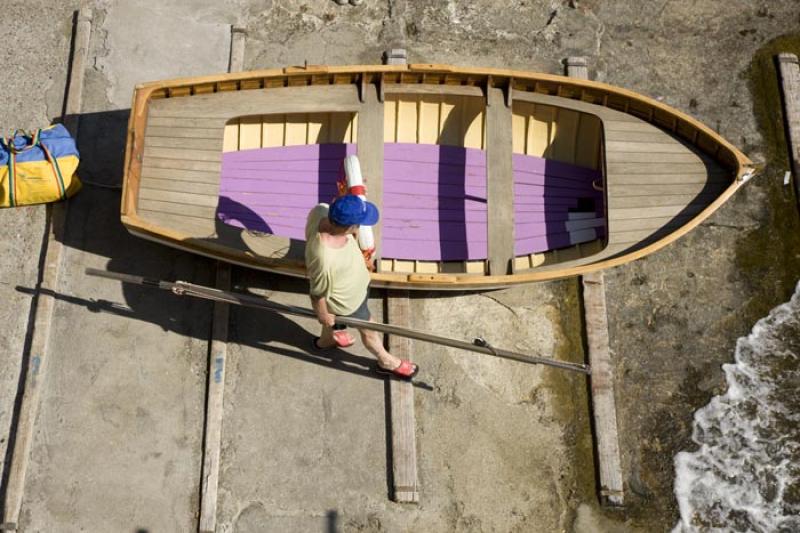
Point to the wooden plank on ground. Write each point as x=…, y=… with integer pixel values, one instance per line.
x=401, y=406
x=499, y=184
x=53, y=248
x=789, y=68
x=217, y=354
x=604, y=408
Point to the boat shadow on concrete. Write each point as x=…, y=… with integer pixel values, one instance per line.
x=94, y=227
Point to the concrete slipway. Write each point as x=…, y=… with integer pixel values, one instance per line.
x=501, y=446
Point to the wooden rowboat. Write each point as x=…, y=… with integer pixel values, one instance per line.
x=484, y=177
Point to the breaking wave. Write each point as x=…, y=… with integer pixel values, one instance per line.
x=745, y=476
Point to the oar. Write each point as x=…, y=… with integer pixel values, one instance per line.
x=183, y=288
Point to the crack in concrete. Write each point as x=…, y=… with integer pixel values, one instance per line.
x=729, y=226
x=513, y=311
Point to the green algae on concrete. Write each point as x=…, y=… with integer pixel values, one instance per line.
x=768, y=257
x=570, y=391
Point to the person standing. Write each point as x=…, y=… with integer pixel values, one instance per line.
x=339, y=277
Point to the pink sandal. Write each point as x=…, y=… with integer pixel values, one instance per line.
x=406, y=370
x=343, y=338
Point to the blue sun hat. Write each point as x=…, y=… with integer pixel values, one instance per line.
x=349, y=210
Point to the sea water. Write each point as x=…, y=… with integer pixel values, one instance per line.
x=745, y=474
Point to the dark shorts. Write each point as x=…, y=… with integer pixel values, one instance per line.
x=362, y=313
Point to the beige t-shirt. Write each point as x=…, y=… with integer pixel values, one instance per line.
x=338, y=274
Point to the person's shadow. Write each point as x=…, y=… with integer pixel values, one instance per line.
x=94, y=227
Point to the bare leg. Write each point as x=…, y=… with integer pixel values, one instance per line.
x=326, y=338
x=372, y=340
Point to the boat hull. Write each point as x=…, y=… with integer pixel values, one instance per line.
x=485, y=178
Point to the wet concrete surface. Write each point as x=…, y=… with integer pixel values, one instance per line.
x=502, y=446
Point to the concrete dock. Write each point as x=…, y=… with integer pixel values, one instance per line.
x=502, y=446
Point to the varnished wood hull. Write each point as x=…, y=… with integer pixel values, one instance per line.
x=660, y=172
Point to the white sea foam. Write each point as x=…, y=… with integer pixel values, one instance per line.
x=745, y=475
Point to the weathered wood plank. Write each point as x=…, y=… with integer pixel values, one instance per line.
x=187, y=122
x=199, y=176
x=37, y=357
x=654, y=212
x=602, y=383
x=616, y=168
x=194, y=211
x=448, y=90
x=653, y=158
x=370, y=154
x=401, y=406
x=499, y=184
x=789, y=68
x=636, y=236
x=212, y=437
x=178, y=197
x=634, y=125
x=640, y=145
x=658, y=188
x=714, y=177
x=192, y=133
x=602, y=386
x=182, y=164
x=229, y=104
x=208, y=189
x=182, y=153
x=657, y=200
x=642, y=224
x=648, y=136
x=193, y=143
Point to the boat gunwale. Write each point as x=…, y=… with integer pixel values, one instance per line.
x=502, y=78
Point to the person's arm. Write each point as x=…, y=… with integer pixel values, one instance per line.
x=320, y=306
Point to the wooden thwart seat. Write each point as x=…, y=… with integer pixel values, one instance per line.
x=499, y=183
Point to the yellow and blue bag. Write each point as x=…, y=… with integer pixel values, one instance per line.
x=38, y=167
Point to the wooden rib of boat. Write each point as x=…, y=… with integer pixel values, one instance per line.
x=484, y=177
